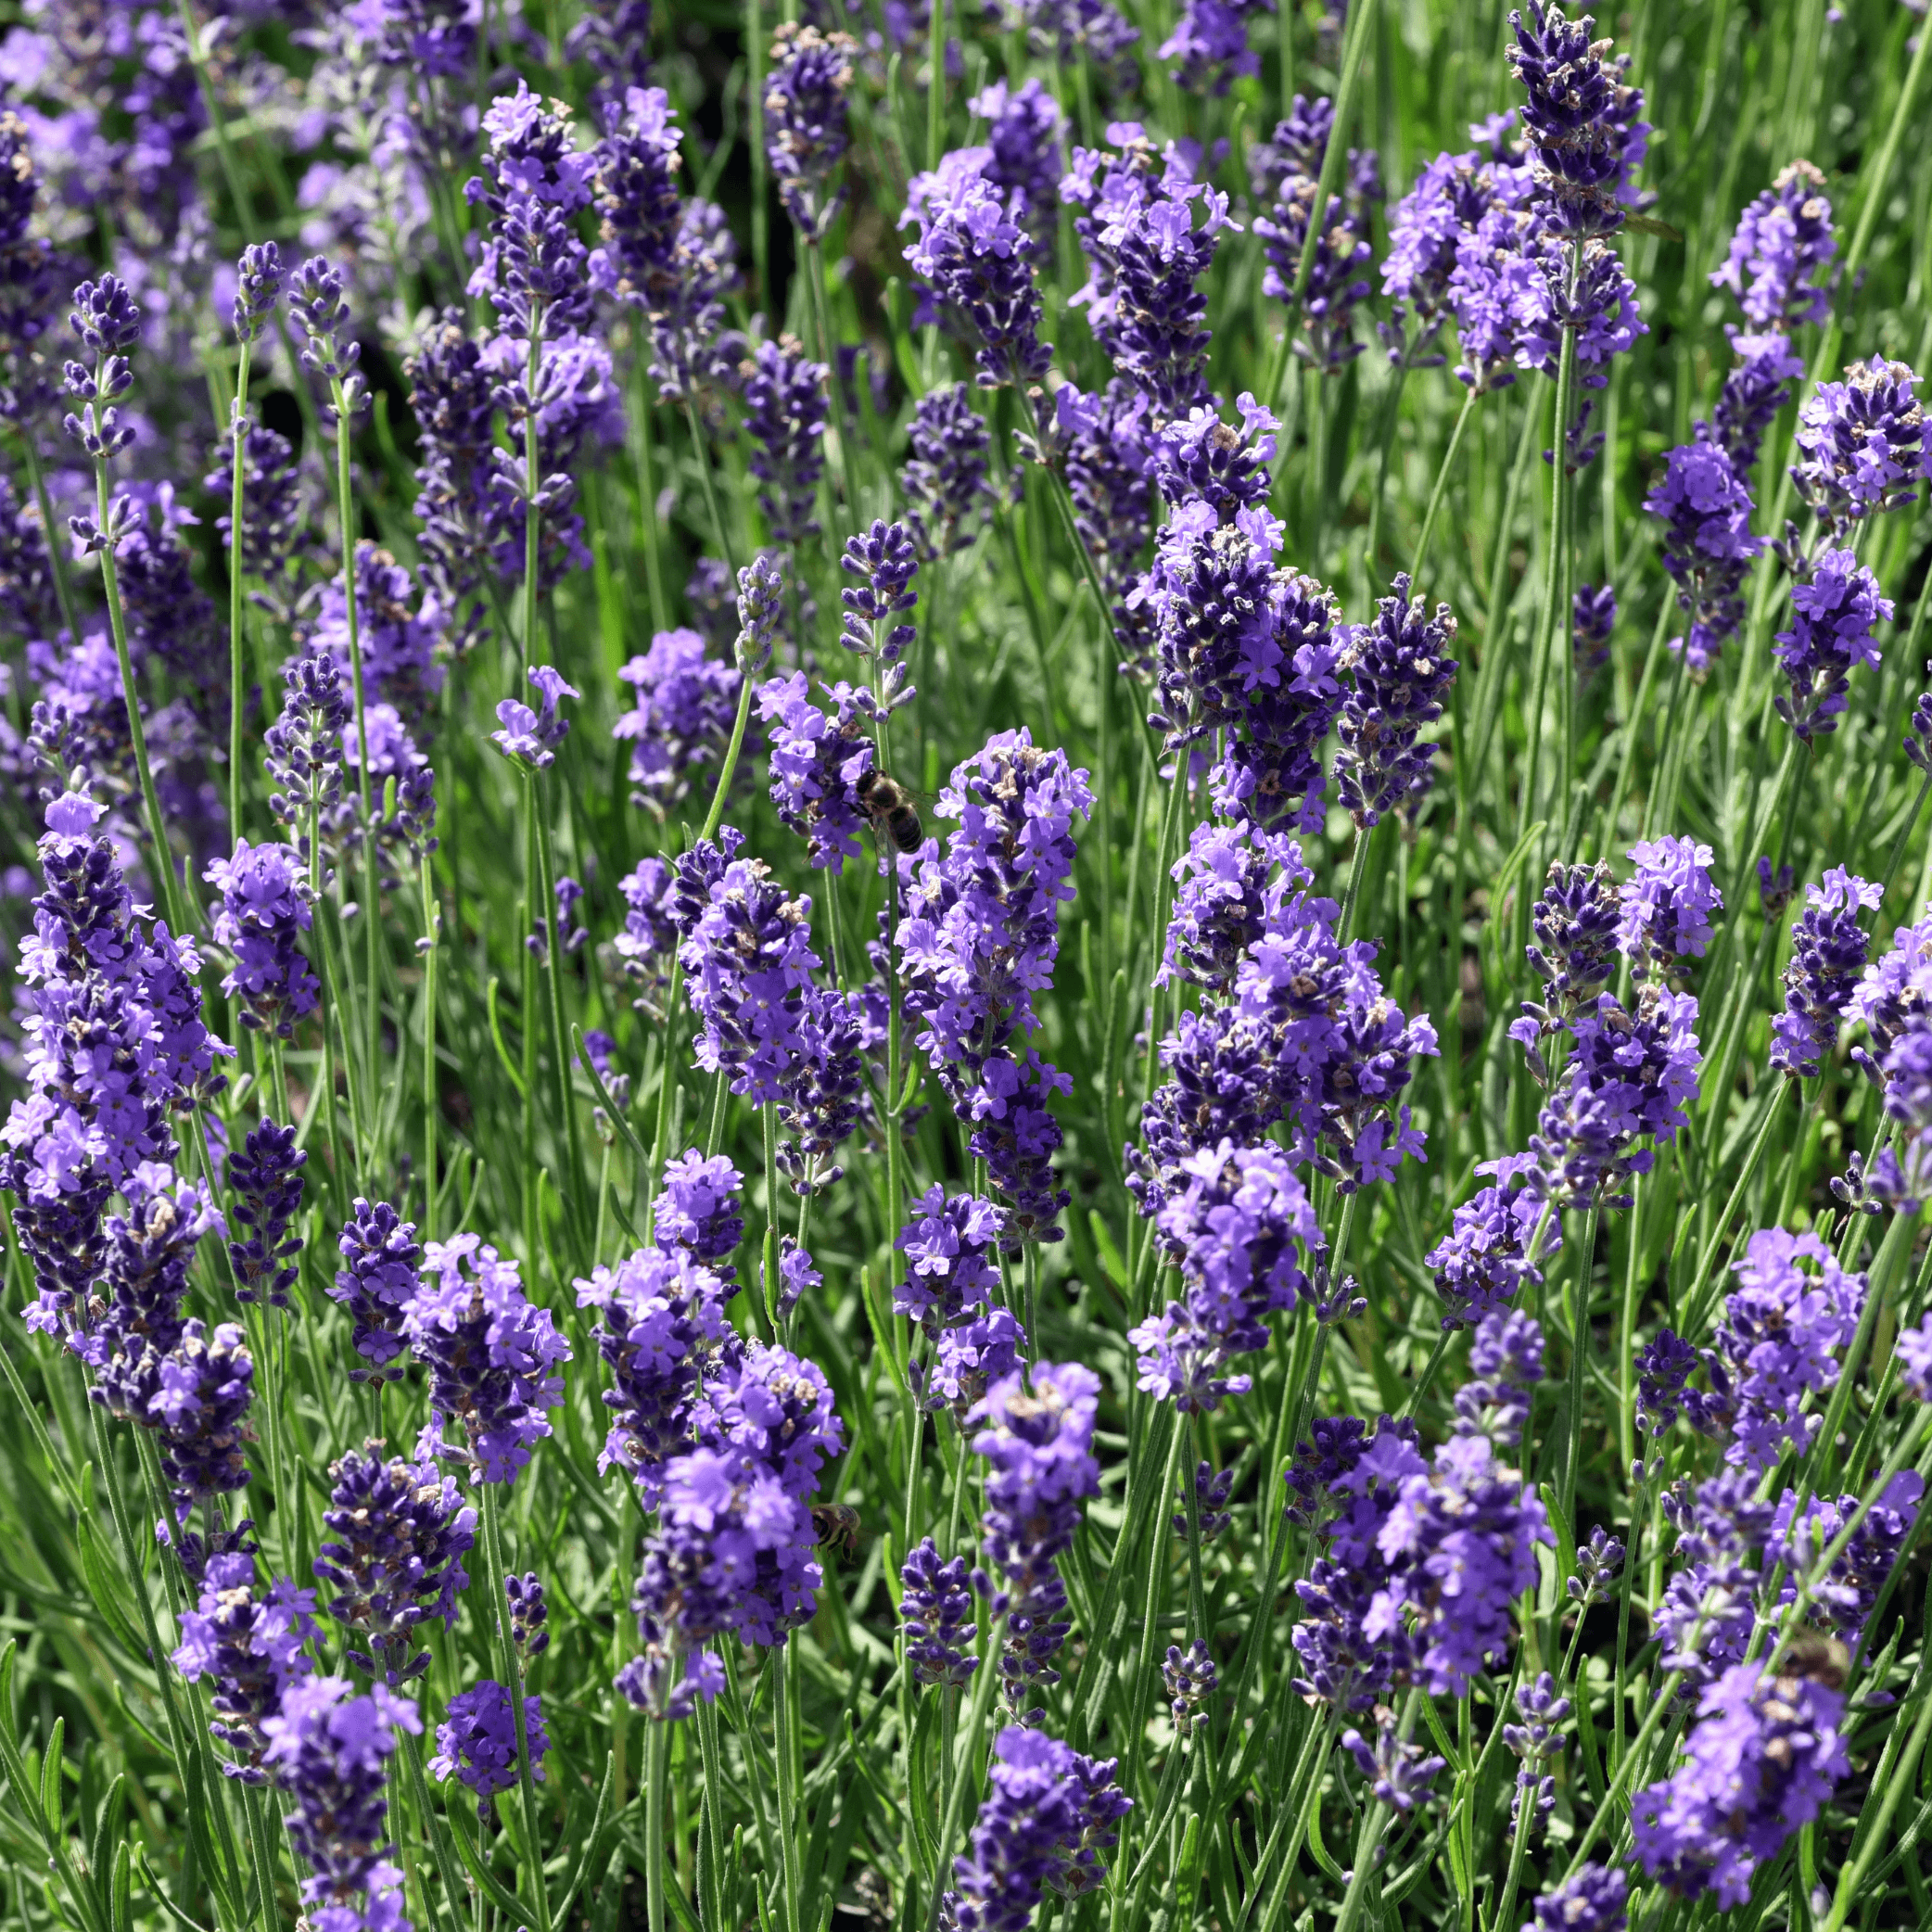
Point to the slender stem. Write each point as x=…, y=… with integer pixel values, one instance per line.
x=647, y=494
x=786, y=1745
x=707, y=484
x=1442, y=486
x=1556, y=562
x=236, y=507
x=553, y=960
x=1579, y=1346
x=56, y=562
x=657, y=1752
x=497, y=1634
x=984, y=1681
x=821, y=318
x=432, y=1108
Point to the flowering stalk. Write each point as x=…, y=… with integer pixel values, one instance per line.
x=505, y=1656
x=235, y=506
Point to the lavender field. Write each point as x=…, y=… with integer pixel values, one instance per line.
x=973, y=966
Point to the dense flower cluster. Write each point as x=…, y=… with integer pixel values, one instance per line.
x=1833, y=615
x=1397, y=672
x=945, y=483
x=687, y=699
x=250, y=1649
x=1496, y=1238
x=1706, y=505
x=1828, y=952
x=477, y=1742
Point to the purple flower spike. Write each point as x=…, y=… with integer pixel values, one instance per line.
x=885, y=562
x=1834, y=613
x=1492, y=1247
x=1592, y=618
x=532, y=737
x=266, y=1181
x=1398, y=669
x=535, y=184
x=1210, y=44
x=251, y=1649
x=376, y=1284
x=1862, y=444
x=1506, y=1364
x=1828, y=951
x=937, y=1614
x=1914, y=1352
x=1398, y=1773
x=1761, y=382
x=398, y=1533
x=259, y=277
x=1023, y=129
x=687, y=701
x=945, y=482
x=1761, y=1762
x=1706, y=505
x=1044, y=1823
x=265, y=904
x=1576, y=922
x=806, y=134
x=477, y=1742
x=1591, y=1901
x=1218, y=903
x=1581, y=120
x=330, y=1750
x=1039, y=1449
x=1779, y=263
x=489, y=1355
x=785, y=417
x=1667, y=907
x=975, y=264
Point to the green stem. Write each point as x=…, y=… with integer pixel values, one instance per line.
x=1556, y=565
x=656, y=1762
x=235, y=506
x=57, y=561
x=553, y=959
x=497, y=1635
x=1441, y=484
x=432, y=930
x=1579, y=1346
x=707, y=483
x=647, y=494
x=974, y=1733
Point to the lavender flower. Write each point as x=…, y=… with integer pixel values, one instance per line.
x=318, y=305
x=979, y=935
x=1197, y=455
x=1209, y=44
x=687, y=701
x=1039, y=1450
x=1663, y=1368
x=377, y=1284
x=1023, y=127
x=937, y=1616
x=251, y=1649
x=1760, y=1763
x=1210, y=1495
x=265, y=1180
x=1843, y=1596
x=1397, y=673
x=1914, y=1354
x=1106, y=464
x=664, y=1324
x=700, y=1210
x=304, y=746
x=1496, y=1240
x=1231, y=1225
x=944, y=482
x=1506, y=1364
x=398, y=1533
x=258, y=287
x=1828, y=951
x=1707, y=545
x=1591, y=1901
x=1782, y=1327
x=330, y=1750
x=1218, y=903
x=1189, y=1678
x=885, y=562
x=453, y=399
x=265, y=904
x=1861, y=445
x=1399, y=1772
x=1576, y=920
x=1598, y=1563
x=1666, y=907
x=785, y=405
x=477, y=1742
x=489, y=1355
x=1535, y=1741
x=199, y=1413
x=974, y=261
x=1043, y=1823
x=399, y=635
x=821, y=1092
x=806, y=135
x=1833, y=615
x=1780, y=258
x=1425, y=227
x=1592, y=618
x=535, y=183
x=531, y=737
x=1757, y=385
x=1585, y=140
x=528, y=1614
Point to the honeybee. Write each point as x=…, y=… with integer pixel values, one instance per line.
x=885, y=802
x=835, y=1526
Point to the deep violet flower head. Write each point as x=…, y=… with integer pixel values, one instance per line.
x=265, y=1184
x=947, y=492
x=378, y=1280
x=1399, y=1772
x=935, y=1612
x=1593, y=620
x=1495, y=1242
x=1397, y=671
x=1220, y=885
x=1044, y=1823
x=1914, y=1354
x=1189, y=1678
x=687, y=700
x=1758, y=384
x=980, y=936
x=1599, y=1564
x=535, y=183
x=785, y=417
x=820, y=1096
x=1425, y=227
x=1895, y=993
x=1793, y=1310
x=1576, y=920
x=1591, y=1901
x=397, y=1535
x=1106, y=462
x=489, y=1354
x=1038, y=1444
x=1211, y=1494
x=664, y=1324
x=528, y=1615
x=1834, y=612
x=1664, y=1366
x=1842, y=1598
x=1198, y=456
x=806, y=135
x=1781, y=253
x=1580, y=120
x=951, y=1248
x=1208, y=44
x=1023, y=131
x=1760, y=1763
x=476, y=1741
x=200, y=1417
x=1240, y=1226
x=1706, y=505
x=318, y=306
x=1861, y=445
x=884, y=560
x=528, y=737
x=303, y=747
x=259, y=276
x=266, y=905
x=975, y=263
x=1506, y=1364
x=250, y=1649
x=1667, y=905
x=330, y=1750
x=1828, y=953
